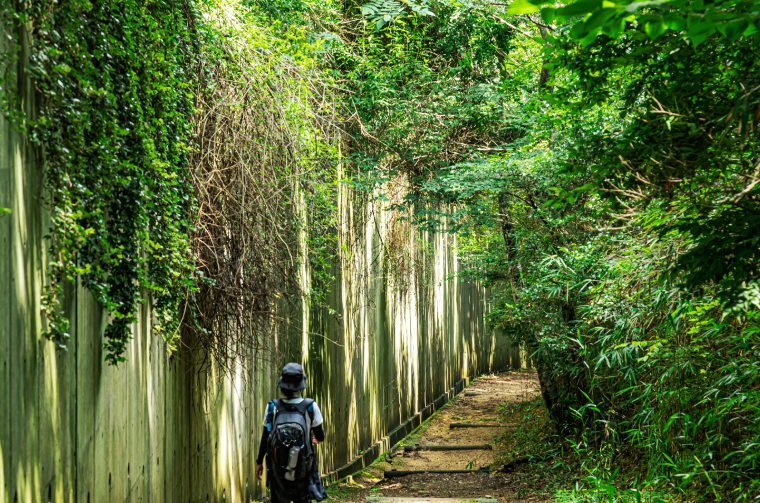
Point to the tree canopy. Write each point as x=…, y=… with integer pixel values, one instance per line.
x=599, y=163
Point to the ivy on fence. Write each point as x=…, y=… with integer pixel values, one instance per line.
x=131, y=123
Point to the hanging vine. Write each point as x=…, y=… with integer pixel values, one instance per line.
x=113, y=127
x=186, y=153
x=263, y=171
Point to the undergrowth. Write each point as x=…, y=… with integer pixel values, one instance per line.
x=554, y=465
x=533, y=437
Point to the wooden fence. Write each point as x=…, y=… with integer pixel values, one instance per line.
x=156, y=429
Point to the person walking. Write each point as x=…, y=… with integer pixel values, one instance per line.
x=290, y=422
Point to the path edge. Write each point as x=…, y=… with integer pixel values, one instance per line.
x=369, y=455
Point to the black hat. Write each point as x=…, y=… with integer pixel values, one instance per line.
x=292, y=378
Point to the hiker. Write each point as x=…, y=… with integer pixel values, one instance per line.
x=292, y=473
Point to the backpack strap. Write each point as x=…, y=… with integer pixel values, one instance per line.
x=305, y=407
x=309, y=404
x=310, y=409
x=271, y=411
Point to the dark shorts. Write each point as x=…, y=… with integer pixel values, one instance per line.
x=274, y=498
x=285, y=491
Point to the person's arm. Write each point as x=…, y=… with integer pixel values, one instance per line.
x=319, y=434
x=262, y=447
x=262, y=453
x=318, y=429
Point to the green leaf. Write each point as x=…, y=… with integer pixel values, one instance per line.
x=751, y=30
x=579, y=8
x=614, y=29
x=699, y=33
x=734, y=29
x=654, y=29
x=598, y=18
x=700, y=26
x=521, y=7
x=547, y=15
x=636, y=5
x=674, y=22
x=589, y=39
x=578, y=31
x=4, y=211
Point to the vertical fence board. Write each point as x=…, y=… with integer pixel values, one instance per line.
x=157, y=404
x=89, y=477
x=24, y=299
x=7, y=479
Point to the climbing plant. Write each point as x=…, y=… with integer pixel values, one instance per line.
x=165, y=180
x=112, y=127
x=263, y=168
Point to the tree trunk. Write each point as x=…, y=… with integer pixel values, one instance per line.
x=508, y=232
x=543, y=77
x=551, y=388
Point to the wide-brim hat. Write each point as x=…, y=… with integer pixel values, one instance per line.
x=292, y=377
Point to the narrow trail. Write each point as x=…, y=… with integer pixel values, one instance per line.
x=477, y=411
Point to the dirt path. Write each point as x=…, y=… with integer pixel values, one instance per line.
x=480, y=405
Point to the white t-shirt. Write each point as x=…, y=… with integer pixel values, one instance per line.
x=318, y=419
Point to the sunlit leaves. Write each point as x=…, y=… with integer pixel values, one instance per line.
x=658, y=59
x=654, y=28
x=578, y=8
x=382, y=12
x=589, y=17
x=517, y=7
x=674, y=21
x=114, y=117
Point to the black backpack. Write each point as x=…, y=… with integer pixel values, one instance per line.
x=289, y=447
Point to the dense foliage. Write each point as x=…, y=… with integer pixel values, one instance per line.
x=599, y=162
x=165, y=180
x=114, y=127
x=685, y=75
